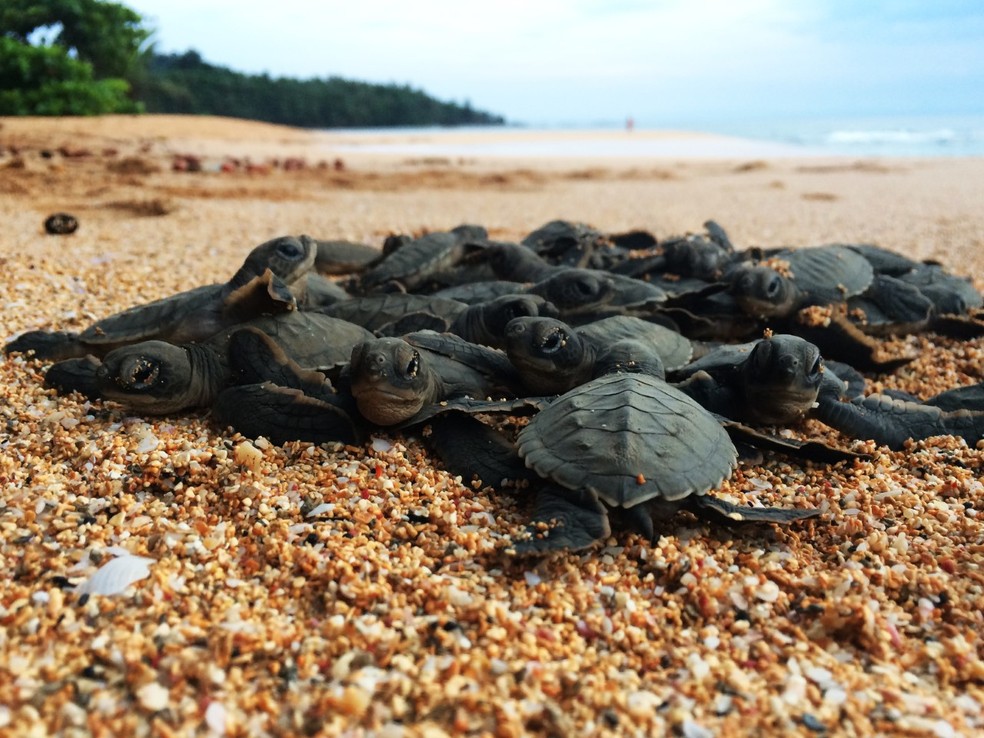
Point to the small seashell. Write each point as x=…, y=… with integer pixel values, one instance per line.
x=116, y=575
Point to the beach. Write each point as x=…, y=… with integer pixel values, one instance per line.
x=392, y=610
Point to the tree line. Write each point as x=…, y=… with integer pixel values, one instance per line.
x=91, y=57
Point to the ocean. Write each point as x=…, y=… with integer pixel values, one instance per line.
x=909, y=136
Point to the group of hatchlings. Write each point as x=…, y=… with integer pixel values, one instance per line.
x=626, y=352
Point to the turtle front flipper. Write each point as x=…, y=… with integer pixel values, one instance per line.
x=75, y=375
x=50, y=345
x=255, y=357
x=564, y=520
x=716, y=510
x=970, y=397
x=471, y=449
x=841, y=340
x=284, y=414
x=891, y=422
x=265, y=294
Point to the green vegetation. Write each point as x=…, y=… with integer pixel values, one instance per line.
x=90, y=57
x=184, y=83
x=94, y=48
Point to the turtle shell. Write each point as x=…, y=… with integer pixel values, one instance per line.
x=829, y=274
x=628, y=438
x=673, y=348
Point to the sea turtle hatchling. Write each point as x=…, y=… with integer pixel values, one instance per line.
x=270, y=280
x=395, y=379
x=628, y=443
x=553, y=357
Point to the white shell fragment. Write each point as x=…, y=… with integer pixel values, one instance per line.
x=116, y=575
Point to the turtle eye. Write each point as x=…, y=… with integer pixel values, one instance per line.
x=290, y=249
x=584, y=287
x=553, y=342
x=413, y=366
x=141, y=373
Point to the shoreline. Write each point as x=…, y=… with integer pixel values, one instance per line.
x=392, y=609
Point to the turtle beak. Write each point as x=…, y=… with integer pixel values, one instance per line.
x=138, y=373
x=553, y=341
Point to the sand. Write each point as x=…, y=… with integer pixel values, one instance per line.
x=392, y=611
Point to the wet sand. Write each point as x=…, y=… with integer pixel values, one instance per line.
x=393, y=611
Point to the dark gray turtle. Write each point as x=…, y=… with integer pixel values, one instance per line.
x=628, y=443
x=771, y=381
x=515, y=262
x=394, y=379
x=584, y=295
x=336, y=257
x=552, y=357
x=156, y=377
x=565, y=243
x=281, y=400
x=375, y=312
x=482, y=291
x=820, y=275
x=695, y=256
x=269, y=281
x=413, y=264
x=781, y=379
x=486, y=322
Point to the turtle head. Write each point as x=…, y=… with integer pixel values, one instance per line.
x=390, y=381
x=549, y=354
x=763, y=292
x=576, y=289
x=629, y=356
x=495, y=315
x=289, y=258
x=782, y=377
x=696, y=256
x=510, y=260
x=152, y=376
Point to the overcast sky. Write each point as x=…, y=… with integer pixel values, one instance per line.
x=664, y=62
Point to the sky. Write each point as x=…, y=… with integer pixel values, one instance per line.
x=570, y=62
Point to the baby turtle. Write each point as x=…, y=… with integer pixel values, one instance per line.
x=552, y=357
x=159, y=378
x=771, y=381
x=624, y=443
x=820, y=275
x=264, y=284
x=394, y=379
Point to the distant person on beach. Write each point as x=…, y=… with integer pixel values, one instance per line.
x=629, y=124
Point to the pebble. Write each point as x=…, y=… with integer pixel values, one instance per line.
x=153, y=697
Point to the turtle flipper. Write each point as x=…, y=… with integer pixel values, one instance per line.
x=283, y=414
x=51, y=345
x=564, y=521
x=265, y=294
x=75, y=375
x=469, y=448
x=717, y=510
x=891, y=422
x=813, y=450
x=970, y=397
x=843, y=341
x=964, y=327
x=255, y=358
